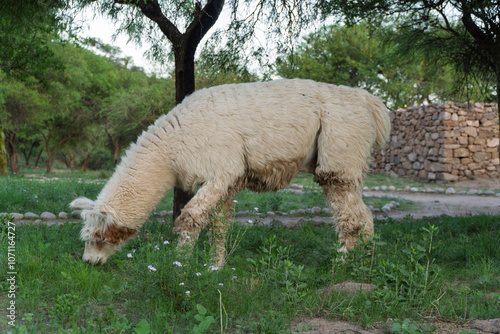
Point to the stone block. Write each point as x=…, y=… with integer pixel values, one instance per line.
x=492, y=142
x=461, y=153
x=470, y=131
x=446, y=177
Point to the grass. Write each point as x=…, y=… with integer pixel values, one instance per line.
x=35, y=194
x=443, y=267
x=446, y=268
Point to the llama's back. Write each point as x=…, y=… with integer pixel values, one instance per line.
x=264, y=130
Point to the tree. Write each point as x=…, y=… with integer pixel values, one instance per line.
x=363, y=57
x=459, y=32
x=25, y=30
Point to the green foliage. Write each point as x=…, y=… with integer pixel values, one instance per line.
x=204, y=320
x=360, y=56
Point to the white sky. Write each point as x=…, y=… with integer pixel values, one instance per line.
x=103, y=29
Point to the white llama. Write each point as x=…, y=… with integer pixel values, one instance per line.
x=227, y=138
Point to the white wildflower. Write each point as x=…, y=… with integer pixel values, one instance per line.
x=221, y=284
x=129, y=255
x=198, y=274
x=156, y=247
x=177, y=263
x=188, y=292
x=151, y=268
x=181, y=283
x=166, y=242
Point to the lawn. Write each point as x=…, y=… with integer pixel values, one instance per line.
x=434, y=268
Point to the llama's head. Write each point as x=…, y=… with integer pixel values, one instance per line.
x=101, y=233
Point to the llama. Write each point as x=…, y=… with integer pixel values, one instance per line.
x=226, y=138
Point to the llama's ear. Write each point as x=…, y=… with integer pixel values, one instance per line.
x=82, y=203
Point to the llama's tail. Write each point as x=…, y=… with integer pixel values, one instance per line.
x=381, y=119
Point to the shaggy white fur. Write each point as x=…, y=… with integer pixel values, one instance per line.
x=256, y=136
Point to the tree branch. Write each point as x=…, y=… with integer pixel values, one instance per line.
x=151, y=9
x=204, y=19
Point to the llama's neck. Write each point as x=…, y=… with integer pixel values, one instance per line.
x=141, y=180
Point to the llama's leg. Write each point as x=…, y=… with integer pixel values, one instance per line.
x=194, y=216
x=220, y=220
x=349, y=211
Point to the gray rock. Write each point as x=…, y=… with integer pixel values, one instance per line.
x=366, y=189
x=63, y=215
x=497, y=195
x=407, y=188
x=386, y=208
x=309, y=211
x=490, y=326
x=270, y=213
x=413, y=189
x=48, y=215
x=293, y=212
x=383, y=188
x=439, y=190
x=17, y=215
x=316, y=210
x=479, y=192
x=472, y=192
x=489, y=193
x=76, y=213
x=391, y=188
x=375, y=188
x=450, y=191
x=301, y=211
x=327, y=211
x=31, y=215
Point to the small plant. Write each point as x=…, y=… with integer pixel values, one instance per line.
x=205, y=321
x=65, y=308
x=406, y=327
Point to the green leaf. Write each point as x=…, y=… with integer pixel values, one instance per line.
x=143, y=327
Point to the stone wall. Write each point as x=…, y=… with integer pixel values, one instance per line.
x=450, y=142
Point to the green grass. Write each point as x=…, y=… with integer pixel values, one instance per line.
x=29, y=194
x=442, y=267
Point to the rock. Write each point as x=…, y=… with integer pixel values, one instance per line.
x=489, y=193
x=327, y=211
x=308, y=211
x=301, y=211
x=366, y=189
x=490, y=326
x=293, y=212
x=316, y=210
x=386, y=208
x=450, y=191
x=391, y=188
x=17, y=215
x=63, y=215
x=439, y=190
x=270, y=213
x=48, y=215
x=472, y=192
x=383, y=188
x=375, y=188
x=76, y=213
x=31, y=215
x=407, y=188
x=413, y=189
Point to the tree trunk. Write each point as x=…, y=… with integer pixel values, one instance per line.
x=3, y=154
x=184, y=86
x=116, y=152
x=71, y=161
x=10, y=142
x=85, y=163
x=38, y=157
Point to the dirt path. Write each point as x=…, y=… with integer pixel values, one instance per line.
x=442, y=204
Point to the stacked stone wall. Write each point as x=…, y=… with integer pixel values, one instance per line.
x=450, y=142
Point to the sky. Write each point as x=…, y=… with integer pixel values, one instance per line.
x=94, y=25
